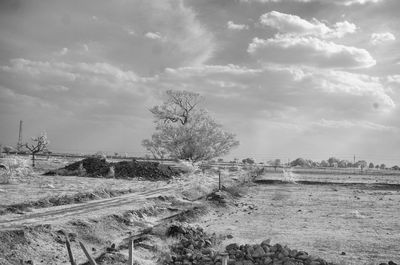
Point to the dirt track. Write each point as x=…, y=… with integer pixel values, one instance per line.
x=89, y=209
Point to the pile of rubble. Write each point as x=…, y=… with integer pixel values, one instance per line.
x=194, y=247
x=197, y=247
x=99, y=167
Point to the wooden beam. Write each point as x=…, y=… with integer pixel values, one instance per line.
x=131, y=247
x=91, y=260
x=70, y=255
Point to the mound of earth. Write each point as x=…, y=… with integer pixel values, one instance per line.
x=100, y=168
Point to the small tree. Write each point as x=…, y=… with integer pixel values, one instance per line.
x=332, y=161
x=248, y=160
x=361, y=164
x=383, y=166
x=276, y=163
x=324, y=163
x=39, y=144
x=371, y=165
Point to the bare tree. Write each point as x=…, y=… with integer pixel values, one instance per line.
x=39, y=144
x=178, y=107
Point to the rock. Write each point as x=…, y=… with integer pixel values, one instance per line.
x=231, y=262
x=233, y=246
x=292, y=253
x=343, y=253
x=266, y=248
x=266, y=242
x=258, y=252
x=266, y=261
x=302, y=257
x=248, y=262
x=392, y=263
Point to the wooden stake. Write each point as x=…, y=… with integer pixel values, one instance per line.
x=219, y=180
x=224, y=258
x=91, y=260
x=70, y=255
x=131, y=246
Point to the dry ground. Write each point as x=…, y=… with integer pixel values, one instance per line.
x=324, y=220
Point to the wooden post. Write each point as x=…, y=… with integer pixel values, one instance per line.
x=70, y=255
x=91, y=260
x=224, y=258
x=219, y=179
x=131, y=246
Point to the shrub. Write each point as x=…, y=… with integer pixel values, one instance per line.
x=15, y=168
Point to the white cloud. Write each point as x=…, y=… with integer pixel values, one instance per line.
x=153, y=35
x=64, y=51
x=338, y=2
x=282, y=92
x=393, y=79
x=292, y=24
x=348, y=124
x=309, y=51
x=380, y=38
x=231, y=25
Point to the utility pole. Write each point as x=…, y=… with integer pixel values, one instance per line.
x=19, y=144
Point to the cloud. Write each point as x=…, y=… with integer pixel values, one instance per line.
x=231, y=25
x=393, y=79
x=88, y=90
x=281, y=92
x=347, y=124
x=380, y=38
x=119, y=33
x=309, y=51
x=153, y=35
x=295, y=25
x=338, y=2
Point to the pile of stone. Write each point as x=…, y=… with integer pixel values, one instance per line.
x=196, y=247
x=100, y=168
x=265, y=254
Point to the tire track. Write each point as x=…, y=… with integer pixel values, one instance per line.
x=74, y=210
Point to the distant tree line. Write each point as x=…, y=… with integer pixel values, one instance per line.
x=308, y=163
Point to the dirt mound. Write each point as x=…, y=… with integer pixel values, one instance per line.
x=98, y=167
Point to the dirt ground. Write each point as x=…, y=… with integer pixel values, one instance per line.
x=346, y=224
x=342, y=224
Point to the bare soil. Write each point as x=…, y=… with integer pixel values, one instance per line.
x=345, y=224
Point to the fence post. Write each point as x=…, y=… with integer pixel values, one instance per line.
x=224, y=258
x=91, y=260
x=219, y=179
x=70, y=255
x=131, y=246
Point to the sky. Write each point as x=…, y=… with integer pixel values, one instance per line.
x=301, y=78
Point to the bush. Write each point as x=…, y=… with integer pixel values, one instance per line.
x=15, y=168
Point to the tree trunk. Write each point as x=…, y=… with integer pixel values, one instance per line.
x=33, y=159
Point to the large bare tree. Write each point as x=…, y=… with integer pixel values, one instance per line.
x=184, y=130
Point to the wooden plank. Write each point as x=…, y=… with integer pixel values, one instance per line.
x=131, y=247
x=91, y=260
x=70, y=255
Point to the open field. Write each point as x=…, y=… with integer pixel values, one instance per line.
x=346, y=219
x=326, y=220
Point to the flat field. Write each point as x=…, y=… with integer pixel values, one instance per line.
x=343, y=223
